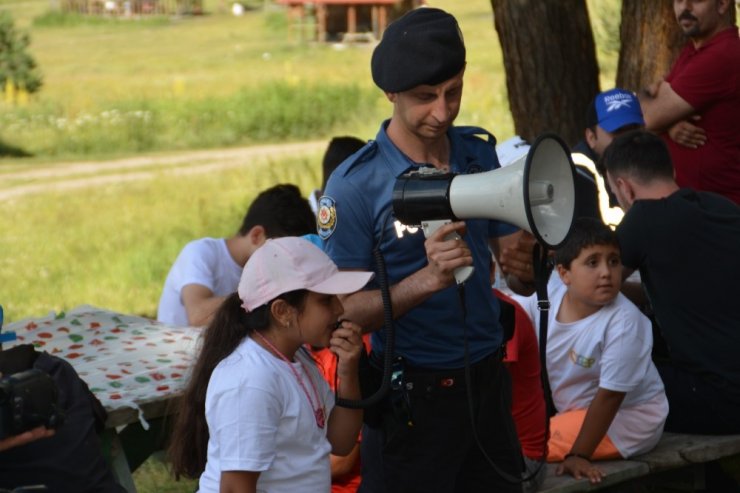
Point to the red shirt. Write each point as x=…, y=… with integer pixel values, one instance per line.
x=709, y=80
x=327, y=363
x=527, y=401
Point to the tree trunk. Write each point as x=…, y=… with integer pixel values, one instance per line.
x=650, y=40
x=550, y=62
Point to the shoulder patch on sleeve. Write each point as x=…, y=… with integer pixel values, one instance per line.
x=326, y=219
x=361, y=156
x=478, y=132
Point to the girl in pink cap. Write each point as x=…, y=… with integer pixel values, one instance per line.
x=257, y=415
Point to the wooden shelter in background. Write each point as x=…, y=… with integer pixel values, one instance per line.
x=344, y=20
x=133, y=7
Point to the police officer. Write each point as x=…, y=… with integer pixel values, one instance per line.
x=427, y=436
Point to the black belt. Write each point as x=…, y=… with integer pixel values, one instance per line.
x=428, y=378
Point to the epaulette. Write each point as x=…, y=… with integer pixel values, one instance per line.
x=359, y=157
x=476, y=132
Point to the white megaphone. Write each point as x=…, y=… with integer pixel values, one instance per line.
x=536, y=193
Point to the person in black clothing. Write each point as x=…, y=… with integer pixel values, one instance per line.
x=685, y=244
x=70, y=459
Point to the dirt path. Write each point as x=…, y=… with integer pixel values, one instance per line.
x=71, y=175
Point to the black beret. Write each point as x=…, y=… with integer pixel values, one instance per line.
x=424, y=46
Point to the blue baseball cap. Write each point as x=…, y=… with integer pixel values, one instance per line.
x=615, y=109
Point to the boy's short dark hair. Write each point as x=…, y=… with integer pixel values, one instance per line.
x=339, y=149
x=639, y=154
x=282, y=211
x=586, y=232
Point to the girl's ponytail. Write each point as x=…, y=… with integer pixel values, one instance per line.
x=188, y=449
x=189, y=440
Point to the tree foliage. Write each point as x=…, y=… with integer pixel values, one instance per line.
x=18, y=69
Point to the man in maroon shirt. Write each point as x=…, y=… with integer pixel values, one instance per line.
x=697, y=106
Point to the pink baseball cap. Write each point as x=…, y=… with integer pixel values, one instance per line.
x=287, y=264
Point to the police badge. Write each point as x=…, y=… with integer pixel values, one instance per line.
x=326, y=220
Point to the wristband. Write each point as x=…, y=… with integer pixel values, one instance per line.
x=574, y=454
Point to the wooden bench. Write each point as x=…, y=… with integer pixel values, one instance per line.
x=678, y=458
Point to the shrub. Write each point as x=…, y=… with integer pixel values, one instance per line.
x=276, y=112
x=18, y=70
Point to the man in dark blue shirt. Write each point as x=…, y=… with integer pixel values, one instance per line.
x=439, y=430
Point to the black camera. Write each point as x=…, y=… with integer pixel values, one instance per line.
x=28, y=399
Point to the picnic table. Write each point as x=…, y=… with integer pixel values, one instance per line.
x=677, y=463
x=135, y=366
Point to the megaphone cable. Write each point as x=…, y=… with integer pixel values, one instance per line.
x=469, y=394
x=390, y=337
x=542, y=274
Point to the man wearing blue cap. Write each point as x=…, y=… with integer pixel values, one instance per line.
x=610, y=114
x=449, y=409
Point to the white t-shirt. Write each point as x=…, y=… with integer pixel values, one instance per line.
x=207, y=262
x=259, y=419
x=608, y=349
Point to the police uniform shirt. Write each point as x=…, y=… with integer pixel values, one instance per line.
x=356, y=213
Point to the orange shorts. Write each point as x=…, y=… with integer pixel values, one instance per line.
x=564, y=429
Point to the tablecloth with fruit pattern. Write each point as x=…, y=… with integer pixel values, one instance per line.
x=124, y=359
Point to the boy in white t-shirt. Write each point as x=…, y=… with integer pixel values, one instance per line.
x=608, y=394
x=207, y=270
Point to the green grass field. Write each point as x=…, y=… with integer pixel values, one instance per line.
x=121, y=87
x=111, y=82
x=112, y=246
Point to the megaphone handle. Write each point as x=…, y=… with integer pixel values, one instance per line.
x=462, y=274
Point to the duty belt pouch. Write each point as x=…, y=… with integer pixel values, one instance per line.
x=400, y=400
x=371, y=378
x=368, y=383
x=507, y=318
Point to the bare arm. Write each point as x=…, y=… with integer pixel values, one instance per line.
x=635, y=293
x=687, y=133
x=632, y=290
x=598, y=418
x=366, y=307
x=344, y=465
x=663, y=108
x=239, y=481
x=200, y=304
x=24, y=438
x=345, y=423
